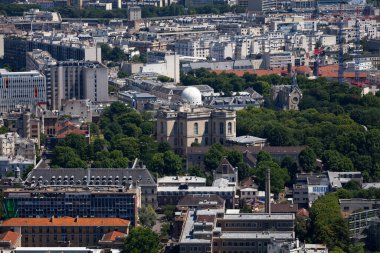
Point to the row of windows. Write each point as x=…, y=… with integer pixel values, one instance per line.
x=196, y=128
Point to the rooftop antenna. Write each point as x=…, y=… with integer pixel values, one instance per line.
x=357, y=51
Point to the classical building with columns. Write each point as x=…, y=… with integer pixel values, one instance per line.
x=191, y=123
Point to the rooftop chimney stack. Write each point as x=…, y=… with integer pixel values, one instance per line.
x=267, y=192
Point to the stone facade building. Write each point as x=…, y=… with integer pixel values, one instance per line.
x=191, y=123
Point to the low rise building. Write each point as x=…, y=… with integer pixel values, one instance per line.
x=212, y=230
x=181, y=180
x=171, y=195
x=65, y=231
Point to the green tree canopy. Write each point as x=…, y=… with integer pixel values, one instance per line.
x=147, y=216
x=142, y=240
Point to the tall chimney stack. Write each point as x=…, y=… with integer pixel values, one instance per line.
x=267, y=192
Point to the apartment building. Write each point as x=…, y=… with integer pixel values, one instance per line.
x=16, y=153
x=70, y=79
x=193, y=47
x=278, y=60
x=65, y=231
x=21, y=89
x=15, y=49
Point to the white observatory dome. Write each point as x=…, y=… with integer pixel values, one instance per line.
x=192, y=96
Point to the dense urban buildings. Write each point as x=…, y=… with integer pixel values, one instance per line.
x=144, y=126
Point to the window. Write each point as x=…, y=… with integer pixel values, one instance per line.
x=196, y=128
x=162, y=127
x=206, y=141
x=229, y=127
x=221, y=128
x=206, y=127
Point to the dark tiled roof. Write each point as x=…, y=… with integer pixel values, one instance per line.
x=251, y=149
x=225, y=167
x=284, y=208
x=93, y=176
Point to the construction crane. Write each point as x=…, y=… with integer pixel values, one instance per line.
x=340, y=42
x=357, y=51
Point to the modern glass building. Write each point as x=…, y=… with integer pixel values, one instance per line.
x=72, y=201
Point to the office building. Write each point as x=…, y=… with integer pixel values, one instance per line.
x=21, y=89
x=65, y=231
x=70, y=79
x=192, y=123
x=15, y=49
x=309, y=187
x=75, y=200
x=261, y=5
x=134, y=13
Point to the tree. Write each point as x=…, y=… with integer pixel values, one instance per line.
x=142, y=240
x=147, y=216
x=163, y=147
x=77, y=142
x=4, y=130
x=263, y=156
x=129, y=146
x=166, y=163
x=327, y=223
x=169, y=212
x=234, y=157
x=307, y=159
x=213, y=157
x=66, y=157
x=278, y=175
x=352, y=185
x=334, y=161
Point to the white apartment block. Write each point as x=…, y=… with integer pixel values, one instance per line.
x=193, y=48
x=327, y=40
x=21, y=89
x=220, y=51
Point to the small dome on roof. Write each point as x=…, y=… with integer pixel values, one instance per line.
x=192, y=96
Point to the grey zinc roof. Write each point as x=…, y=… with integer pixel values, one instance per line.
x=114, y=176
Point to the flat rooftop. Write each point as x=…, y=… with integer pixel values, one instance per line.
x=258, y=216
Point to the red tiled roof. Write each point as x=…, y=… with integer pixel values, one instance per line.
x=10, y=237
x=113, y=236
x=332, y=72
x=303, y=212
x=324, y=71
x=64, y=221
x=303, y=70
x=258, y=72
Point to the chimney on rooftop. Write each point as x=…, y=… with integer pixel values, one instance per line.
x=267, y=192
